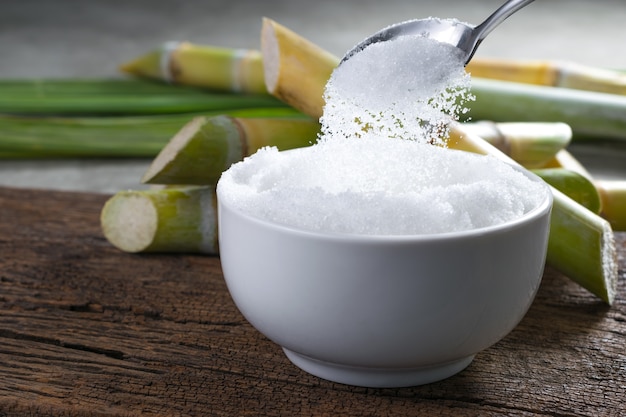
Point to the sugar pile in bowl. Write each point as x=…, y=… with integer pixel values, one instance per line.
x=380, y=166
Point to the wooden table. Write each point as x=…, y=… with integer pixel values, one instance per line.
x=86, y=330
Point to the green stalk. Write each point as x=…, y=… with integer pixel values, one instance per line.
x=574, y=185
x=86, y=137
x=116, y=136
x=582, y=246
x=207, y=146
x=613, y=195
x=581, y=243
x=589, y=114
x=181, y=219
x=118, y=97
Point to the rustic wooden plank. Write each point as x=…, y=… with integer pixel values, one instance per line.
x=88, y=330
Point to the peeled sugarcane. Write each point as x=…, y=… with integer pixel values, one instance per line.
x=207, y=146
x=296, y=70
x=591, y=115
x=581, y=243
x=550, y=73
x=106, y=97
x=181, y=219
x=531, y=144
x=215, y=68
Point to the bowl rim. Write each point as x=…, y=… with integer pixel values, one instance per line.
x=543, y=208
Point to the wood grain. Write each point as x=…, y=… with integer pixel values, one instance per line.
x=86, y=330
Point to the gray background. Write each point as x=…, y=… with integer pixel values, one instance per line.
x=73, y=38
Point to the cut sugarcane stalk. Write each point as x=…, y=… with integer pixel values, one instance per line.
x=564, y=159
x=581, y=243
x=531, y=144
x=212, y=67
x=613, y=196
x=590, y=115
x=572, y=184
x=550, y=73
x=206, y=146
x=181, y=219
x=612, y=193
x=296, y=70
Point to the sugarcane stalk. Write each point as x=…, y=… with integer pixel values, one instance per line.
x=180, y=219
x=296, y=70
x=564, y=159
x=207, y=146
x=574, y=185
x=583, y=248
x=531, y=144
x=581, y=243
x=550, y=73
x=613, y=196
x=612, y=193
x=591, y=115
x=207, y=66
x=106, y=97
x=115, y=136
x=48, y=137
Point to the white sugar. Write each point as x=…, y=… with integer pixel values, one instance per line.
x=410, y=88
x=362, y=177
x=378, y=187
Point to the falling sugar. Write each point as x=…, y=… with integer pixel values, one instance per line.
x=361, y=178
x=409, y=88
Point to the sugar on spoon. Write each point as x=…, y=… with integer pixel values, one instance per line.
x=464, y=36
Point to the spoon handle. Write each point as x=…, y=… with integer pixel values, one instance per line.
x=497, y=17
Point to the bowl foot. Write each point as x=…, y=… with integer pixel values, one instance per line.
x=377, y=377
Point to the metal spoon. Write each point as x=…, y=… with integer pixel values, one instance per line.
x=464, y=36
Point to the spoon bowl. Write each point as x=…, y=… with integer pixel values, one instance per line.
x=464, y=36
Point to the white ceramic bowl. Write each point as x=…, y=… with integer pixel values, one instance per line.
x=383, y=311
